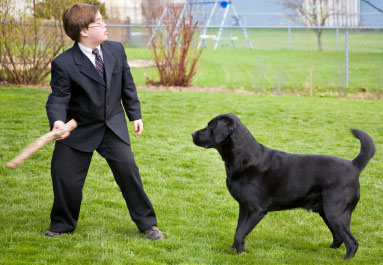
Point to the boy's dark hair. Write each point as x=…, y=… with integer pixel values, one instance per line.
x=78, y=17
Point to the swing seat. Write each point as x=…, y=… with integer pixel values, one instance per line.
x=215, y=37
x=228, y=38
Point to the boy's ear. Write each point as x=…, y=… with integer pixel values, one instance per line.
x=84, y=32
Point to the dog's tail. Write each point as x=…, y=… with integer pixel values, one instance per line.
x=367, y=149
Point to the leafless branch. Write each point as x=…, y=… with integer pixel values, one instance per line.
x=174, y=55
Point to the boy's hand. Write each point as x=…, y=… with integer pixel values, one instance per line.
x=138, y=127
x=59, y=125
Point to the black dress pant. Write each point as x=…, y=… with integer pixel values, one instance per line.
x=69, y=168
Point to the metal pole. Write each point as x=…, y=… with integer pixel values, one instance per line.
x=241, y=25
x=289, y=39
x=179, y=21
x=231, y=37
x=346, y=55
x=221, y=28
x=337, y=39
x=181, y=15
x=207, y=24
x=156, y=28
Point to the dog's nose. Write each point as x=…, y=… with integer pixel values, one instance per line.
x=193, y=134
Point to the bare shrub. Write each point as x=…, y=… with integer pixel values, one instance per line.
x=175, y=53
x=28, y=42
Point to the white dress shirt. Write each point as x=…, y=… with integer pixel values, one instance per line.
x=88, y=52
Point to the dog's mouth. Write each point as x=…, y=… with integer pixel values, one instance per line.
x=197, y=141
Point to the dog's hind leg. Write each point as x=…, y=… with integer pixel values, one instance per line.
x=251, y=219
x=337, y=241
x=351, y=250
x=339, y=221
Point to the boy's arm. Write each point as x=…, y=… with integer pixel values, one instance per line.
x=128, y=92
x=58, y=100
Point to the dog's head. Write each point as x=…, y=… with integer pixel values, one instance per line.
x=217, y=131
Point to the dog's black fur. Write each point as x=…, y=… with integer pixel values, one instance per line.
x=264, y=180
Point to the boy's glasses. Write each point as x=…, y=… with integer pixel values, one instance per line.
x=99, y=24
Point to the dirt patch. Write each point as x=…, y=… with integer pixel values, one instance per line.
x=378, y=95
x=141, y=63
x=360, y=96
x=194, y=89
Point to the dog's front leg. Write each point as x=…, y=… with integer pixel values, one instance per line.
x=250, y=220
x=241, y=217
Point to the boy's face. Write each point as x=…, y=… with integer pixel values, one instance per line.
x=96, y=32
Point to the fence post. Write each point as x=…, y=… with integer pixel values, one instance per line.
x=289, y=38
x=337, y=39
x=346, y=56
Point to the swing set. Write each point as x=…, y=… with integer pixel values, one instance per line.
x=216, y=9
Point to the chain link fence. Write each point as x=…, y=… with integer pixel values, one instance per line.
x=274, y=58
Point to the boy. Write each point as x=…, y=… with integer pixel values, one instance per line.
x=89, y=83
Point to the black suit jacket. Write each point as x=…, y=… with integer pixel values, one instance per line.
x=79, y=92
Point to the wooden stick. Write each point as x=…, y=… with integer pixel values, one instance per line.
x=40, y=143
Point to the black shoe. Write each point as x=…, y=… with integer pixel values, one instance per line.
x=51, y=233
x=154, y=233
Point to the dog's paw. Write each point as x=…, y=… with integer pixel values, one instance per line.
x=239, y=245
x=240, y=249
x=336, y=244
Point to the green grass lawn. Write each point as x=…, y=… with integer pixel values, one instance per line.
x=186, y=184
x=271, y=68
x=302, y=39
x=278, y=71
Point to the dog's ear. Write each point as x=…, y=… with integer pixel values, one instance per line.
x=224, y=128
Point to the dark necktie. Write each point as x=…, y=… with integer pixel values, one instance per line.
x=99, y=63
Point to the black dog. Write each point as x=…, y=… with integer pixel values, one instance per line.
x=264, y=180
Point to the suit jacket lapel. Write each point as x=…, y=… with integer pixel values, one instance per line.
x=109, y=62
x=87, y=68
